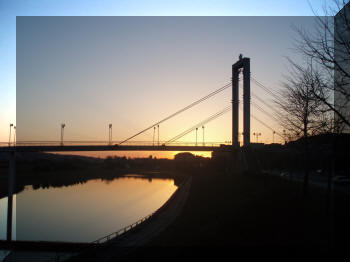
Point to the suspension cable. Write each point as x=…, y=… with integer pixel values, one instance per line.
x=207, y=120
x=263, y=123
x=180, y=111
x=266, y=89
x=264, y=111
x=262, y=101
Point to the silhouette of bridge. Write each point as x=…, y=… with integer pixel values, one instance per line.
x=48, y=148
x=242, y=65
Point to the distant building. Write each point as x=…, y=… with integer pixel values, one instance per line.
x=342, y=58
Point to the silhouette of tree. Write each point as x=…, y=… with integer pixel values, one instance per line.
x=300, y=112
x=329, y=48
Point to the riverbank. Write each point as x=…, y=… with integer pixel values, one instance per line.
x=253, y=216
x=59, y=178
x=40, y=250
x=124, y=245
x=227, y=213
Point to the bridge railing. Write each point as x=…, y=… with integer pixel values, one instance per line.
x=102, y=240
x=106, y=143
x=121, y=231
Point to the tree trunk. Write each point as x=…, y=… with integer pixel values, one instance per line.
x=306, y=164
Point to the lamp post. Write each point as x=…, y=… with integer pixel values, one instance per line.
x=110, y=134
x=203, y=135
x=257, y=135
x=158, y=134
x=154, y=133
x=11, y=125
x=196, y=135
x=14, y=136
x=62, y=132
x=273, y=137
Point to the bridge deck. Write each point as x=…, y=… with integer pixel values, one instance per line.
x=43, y=148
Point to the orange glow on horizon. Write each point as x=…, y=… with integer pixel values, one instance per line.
x=133, y=154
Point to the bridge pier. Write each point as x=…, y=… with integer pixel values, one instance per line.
x=245, y=64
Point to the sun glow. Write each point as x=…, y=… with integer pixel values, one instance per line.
x=134, y=154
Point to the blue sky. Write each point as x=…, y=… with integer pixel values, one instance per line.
x=10, y=9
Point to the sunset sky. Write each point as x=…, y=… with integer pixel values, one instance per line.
x=133, y=71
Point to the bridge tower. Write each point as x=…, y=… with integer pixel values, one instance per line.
x=236, y=68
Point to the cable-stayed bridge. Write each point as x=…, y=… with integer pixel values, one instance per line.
x=138, y=147
x=173, y=144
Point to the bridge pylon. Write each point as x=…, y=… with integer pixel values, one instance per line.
x=243, y=62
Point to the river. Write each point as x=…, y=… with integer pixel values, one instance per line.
x=84, y=212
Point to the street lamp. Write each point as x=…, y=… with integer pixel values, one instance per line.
x=203, y=135
x=196, y=134
x=158, y=134
x=154, y=132
x=62, y=132
x=273, y=137
x=14, y=136
x=110, y=134
x=11, y=125
x=257, y=135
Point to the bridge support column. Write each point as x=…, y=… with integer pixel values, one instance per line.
x=235, y=104
x=11, y=182
x=245, y=64
x=246, y=101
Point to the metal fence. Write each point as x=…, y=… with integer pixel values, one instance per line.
x=120, y=232
x=115, y=235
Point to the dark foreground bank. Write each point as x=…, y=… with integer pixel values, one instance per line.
x=254, y=216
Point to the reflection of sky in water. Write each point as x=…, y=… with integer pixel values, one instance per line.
x=3, y=218
x=86, y=212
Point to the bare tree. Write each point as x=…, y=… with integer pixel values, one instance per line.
x=301, y=113
x=329, y=47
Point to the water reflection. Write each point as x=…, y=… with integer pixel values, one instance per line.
x=3, y=218
x=85, y=212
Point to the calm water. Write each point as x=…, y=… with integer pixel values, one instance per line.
x=84, y=212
